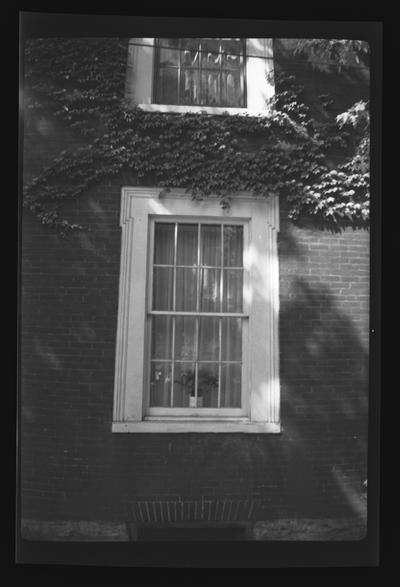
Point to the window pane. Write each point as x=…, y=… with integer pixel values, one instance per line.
x=187, y=244
x=208, y=338
x=190, y=52
x=210, y=238
x=233, y=246
x=167, y=85
x=184, y=384
x=210, y=290
x=233, y=290
x=161, y=339
x=231, y=339
x=231, y=50
x=162, y=288
x=231, y=385
x=210, y=88
x=168, y=52
x=164, y=243
x=160, y=384
x=185, y=330
x=186, y=289
x=210, y=56
x=231, y=91
x=207, y=385
x=190, y=86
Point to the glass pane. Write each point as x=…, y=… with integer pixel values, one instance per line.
x=233, y=290
x=183, y=384
x=208, y=338
x=190, y=86
x=231, y=339
x=210, y=238
x=231, y=50
x=190, y=52
x=160, y=384
x=161, y=337
x=185, y=330
x=231, y=385
x=211, y=88
x=231, y=91
x=233, y=246
x=164, y=244
x=168, y=52
x=210, y=56
x=210, y=290
x=207, y=385
x=162, y=288
x=186, y=289
x=186, y=253
x=167, y=85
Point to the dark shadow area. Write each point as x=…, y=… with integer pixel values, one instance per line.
x=324, y=408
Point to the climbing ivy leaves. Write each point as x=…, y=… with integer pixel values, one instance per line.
x=320, y=168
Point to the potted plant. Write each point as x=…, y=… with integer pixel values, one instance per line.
x=206, y=383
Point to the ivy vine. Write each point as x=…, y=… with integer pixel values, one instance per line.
x=320, y=166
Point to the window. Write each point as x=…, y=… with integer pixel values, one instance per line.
x=214, y=75
x=197, y=341
x=197, y=319
x=207, y=72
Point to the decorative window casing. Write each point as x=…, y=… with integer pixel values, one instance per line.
x=217, y=76
x=197, y=338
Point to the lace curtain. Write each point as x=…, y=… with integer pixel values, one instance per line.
x=208, y=72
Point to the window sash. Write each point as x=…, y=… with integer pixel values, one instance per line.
x=201, y=73
x=197, y=314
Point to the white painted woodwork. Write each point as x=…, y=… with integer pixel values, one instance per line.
x=260, y=85
x=140, y=207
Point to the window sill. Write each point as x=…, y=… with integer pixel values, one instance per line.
x=199, y=109
x=194, y=426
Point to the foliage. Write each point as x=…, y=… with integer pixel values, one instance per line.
x=331, y=54
x=319, y=167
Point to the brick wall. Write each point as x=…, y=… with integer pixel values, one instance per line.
x=74, y=468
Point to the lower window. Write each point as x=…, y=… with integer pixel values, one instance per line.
x=197, y=346
x=196, y=320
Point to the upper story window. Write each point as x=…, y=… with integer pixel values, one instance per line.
x=212, y=75
x=207, y=72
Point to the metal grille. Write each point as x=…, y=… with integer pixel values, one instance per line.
x=190, y=511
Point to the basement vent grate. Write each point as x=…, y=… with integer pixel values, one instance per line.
x=182, y=511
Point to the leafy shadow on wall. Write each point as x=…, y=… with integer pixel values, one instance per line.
x=324, y=378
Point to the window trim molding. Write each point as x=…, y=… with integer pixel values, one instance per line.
x=138, y=205
x=259, y=82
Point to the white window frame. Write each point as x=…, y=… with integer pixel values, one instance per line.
x=259, y=86
x=140, y=207
x=204, y=411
